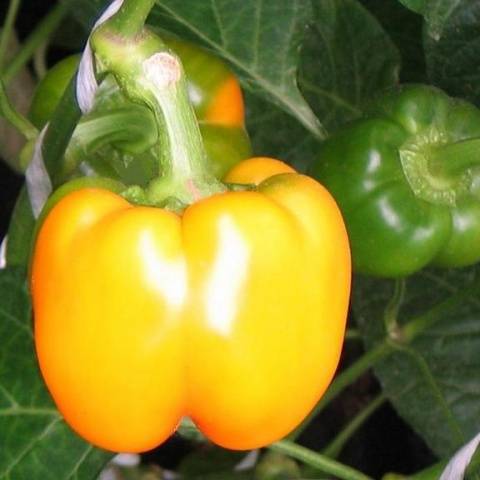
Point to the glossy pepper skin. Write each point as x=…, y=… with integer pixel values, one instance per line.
x=406, y=204
x=213, y=90
x=232, y=313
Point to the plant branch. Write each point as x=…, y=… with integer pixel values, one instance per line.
x=424, y=321
x=405, y=335
x=392, y=309
x=346, y=378
x=40, y=61
x=15, y=118
x=38, y=37
x=336, y=445
x=352, y=334
x=7, y=29
x=317, y=460
x=60, y=130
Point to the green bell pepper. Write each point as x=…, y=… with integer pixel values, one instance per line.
x=407, y=179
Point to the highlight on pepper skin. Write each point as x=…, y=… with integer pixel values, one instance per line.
x=144, y=316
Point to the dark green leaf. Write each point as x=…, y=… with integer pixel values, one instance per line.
x=338, y=75
x=20, y=232
x=417, y=6
x=452, y=46
x=34, y=441
x=276, y=134
x=405, y=29
x=275, y=466
x=209, y=460
x=433, y=382
x=220, y=476
x=347, y=57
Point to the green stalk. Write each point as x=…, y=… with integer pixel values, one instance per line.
x=352, y=334
x=41, y=33
x=67, y=114
x=60, y=130
x=130, y=20
x=423, y=322
x=149, y=74
x=344, y=379
x=40, y=61
x=453, y=159
x=334, y=448
x=7, y=29
x=184, y=164
x=130, y=126
x=14, y=117
x=392, y=309
x=318, y=461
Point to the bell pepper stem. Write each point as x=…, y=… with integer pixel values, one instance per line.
x=183, y=156
x=149, y=74
x=130, y=20
x=454, y=158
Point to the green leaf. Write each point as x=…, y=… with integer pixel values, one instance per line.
x=34, y=440
x=337, y=48
x=346, y=58
x=452, y=46
x=276, y=134
x=210, y=460
x=433, y=382
x=20, y=232
x=405, y=29
x=417, y=6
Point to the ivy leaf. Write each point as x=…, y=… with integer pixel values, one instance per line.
x=337, y=48
x=34, y=440
x=405, y=28
x=452, y=46
x=433, y=381
x=346, y=58
x=210, y=460
x=276, y=134
x=417, y=6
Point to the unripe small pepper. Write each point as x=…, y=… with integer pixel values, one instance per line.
x=407, y=179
